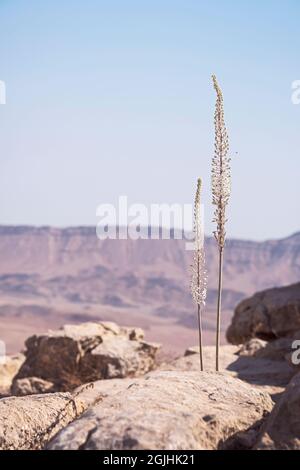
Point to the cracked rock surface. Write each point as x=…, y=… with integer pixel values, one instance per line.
x=168, y=410
x=29, y=422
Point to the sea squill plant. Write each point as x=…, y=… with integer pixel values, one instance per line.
x=199, y=277
x=221, y=187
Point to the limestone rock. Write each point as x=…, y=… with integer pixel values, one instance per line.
x=8, y=370
x=31, y=385
x=268, y=315
x=252, y=347
x=263, y=373
x=168, y=410
x=78, y=354
x=278, y=350
x=282, y=428
x=29, y=422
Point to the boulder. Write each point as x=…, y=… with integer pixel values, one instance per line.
x=8, y=370
x=263, y=373
x=271, y=314
x=282, y=429
x=77, y=354
x=168, y=410
x=29, y=422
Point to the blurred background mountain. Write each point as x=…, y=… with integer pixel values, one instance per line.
x=52, y=276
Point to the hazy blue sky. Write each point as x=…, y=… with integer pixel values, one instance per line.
x=114, y=97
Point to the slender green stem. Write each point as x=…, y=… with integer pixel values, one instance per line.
x=200, y=336
x=218, y=330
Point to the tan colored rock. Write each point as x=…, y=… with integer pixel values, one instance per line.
x=282, y=429
x=29, y=422
x=31, y=385
x=134, y=333
x=266, y=374
x=8, y=370
x=168, y=410
x=268, y=315
x=278, y=350
x=252, y=347
x=77, y=354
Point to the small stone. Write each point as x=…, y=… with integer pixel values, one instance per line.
x=31, y=385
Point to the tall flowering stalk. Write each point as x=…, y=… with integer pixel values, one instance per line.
x=221, y=187
x=199, y=277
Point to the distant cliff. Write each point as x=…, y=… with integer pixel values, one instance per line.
x=54, y=275
x=46, y=251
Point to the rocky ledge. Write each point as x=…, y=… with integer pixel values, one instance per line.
x=163, y=410
x=29, y=422
x=171, y=405
x=76, y=354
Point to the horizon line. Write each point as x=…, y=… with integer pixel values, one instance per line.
x=171, y=229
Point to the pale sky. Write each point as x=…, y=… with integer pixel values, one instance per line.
x=109, y=98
